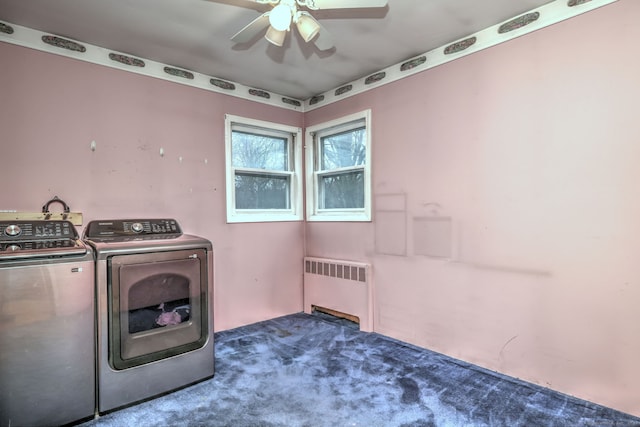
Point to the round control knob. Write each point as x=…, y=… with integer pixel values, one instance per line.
x=12, y=230
x=13, y=248
x=137, y=227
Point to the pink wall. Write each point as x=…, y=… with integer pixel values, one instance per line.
x=53, y=107
x=531, y=148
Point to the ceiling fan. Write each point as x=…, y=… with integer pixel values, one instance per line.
x=285, y=12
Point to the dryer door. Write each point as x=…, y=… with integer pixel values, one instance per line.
x=157, y=306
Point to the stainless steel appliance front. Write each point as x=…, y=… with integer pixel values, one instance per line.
x=155, y=320
x=47, y=341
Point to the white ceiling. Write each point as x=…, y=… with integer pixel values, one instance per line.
x=195, y=35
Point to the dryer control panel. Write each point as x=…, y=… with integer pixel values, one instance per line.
x=132, y=229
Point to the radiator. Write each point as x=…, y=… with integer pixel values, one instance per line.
x=339, y=287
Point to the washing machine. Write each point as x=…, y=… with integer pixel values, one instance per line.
x=47, y=356
x=154, y=290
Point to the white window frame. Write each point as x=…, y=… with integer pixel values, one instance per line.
x=312, y=159
x=295, y=211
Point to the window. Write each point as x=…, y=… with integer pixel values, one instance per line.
x=263, y=163
x=338, y=162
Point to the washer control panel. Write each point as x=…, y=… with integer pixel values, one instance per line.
x=37, y=245
x=37, y=230
x=38, y=238
x=132, y=229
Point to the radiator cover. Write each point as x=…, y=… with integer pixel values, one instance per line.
x=339, y=285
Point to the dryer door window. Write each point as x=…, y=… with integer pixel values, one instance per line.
x=159, y=300
x=157, y=306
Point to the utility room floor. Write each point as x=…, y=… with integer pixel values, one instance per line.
x=316, y=370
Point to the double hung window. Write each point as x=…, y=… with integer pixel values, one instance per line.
x=338, y=160
x=263, y=164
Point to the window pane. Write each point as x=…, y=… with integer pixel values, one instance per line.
x=255, y=151
x=344, y=149
x=262, y=191
x=342, y=191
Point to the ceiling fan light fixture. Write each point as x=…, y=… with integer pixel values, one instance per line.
x=275, y=37
x=280, y=17
x=308, y=27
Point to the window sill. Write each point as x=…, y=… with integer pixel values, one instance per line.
x=339, y=217
x=261, y=217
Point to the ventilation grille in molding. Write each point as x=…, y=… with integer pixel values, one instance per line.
x=338, y=269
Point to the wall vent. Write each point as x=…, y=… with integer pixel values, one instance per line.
x=333, y=268
x=341, y=286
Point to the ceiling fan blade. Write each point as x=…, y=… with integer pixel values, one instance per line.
x=252, y=30
x=342, y=4
x=324, y=40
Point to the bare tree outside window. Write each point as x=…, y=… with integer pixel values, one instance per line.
x=256, y=159
x=257, y=151
x=343, y=156
x=344, y=149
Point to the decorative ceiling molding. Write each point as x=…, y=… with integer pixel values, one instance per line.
x=58, y=45
x=534, y=20
x=549, y=14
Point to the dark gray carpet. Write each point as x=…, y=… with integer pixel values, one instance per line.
x=313, y=370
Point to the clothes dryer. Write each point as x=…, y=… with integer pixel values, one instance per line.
x=154, y=309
